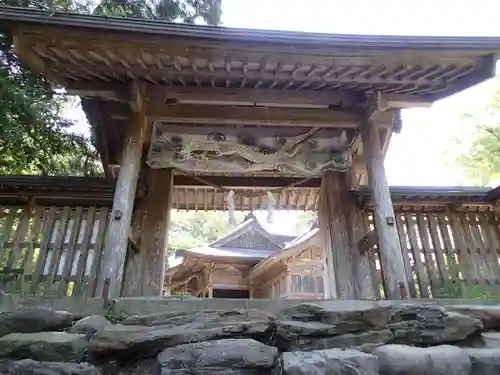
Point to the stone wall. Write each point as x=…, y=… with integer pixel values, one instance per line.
x=353, y=337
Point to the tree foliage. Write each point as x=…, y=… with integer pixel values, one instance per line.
x=35, y=137
x=477, y=149
x=191, y=229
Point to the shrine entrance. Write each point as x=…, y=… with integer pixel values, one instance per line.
x=231, y=293
x=212, y=118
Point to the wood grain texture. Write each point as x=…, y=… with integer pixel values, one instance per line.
x=154, y=231
x=115, y=248
x=333, y=214
x=389, y=247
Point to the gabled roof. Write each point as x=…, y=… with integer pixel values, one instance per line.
x=294, y=248
x=251, y=223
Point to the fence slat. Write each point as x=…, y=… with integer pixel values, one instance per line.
x=30, y=251
x=48, y=227
x=422, y=223
x=70, y=252
x=84, y=251
x=97, y=255
x=439, y=249
x=376, y=282
x=7, y=230
x=400, y=222
x=57, y=249
x=423, y=281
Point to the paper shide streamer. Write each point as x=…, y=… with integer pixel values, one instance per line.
x=230, y=207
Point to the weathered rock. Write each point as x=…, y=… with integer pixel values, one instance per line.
x=224, y=357
x=30, y=320
x=329, y=362
x=437, y=360
x=490, y=339
x=430, y=324
x=147, y=341
x=345, y=319
x=43, y=346
x=204, y=317
x=369, y=339
x=89, y=325
x=31, y=367
x=488, y=315
x=484, y=361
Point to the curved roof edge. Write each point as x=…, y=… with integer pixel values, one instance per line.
x=351, y=41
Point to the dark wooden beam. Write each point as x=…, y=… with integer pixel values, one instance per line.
x=220, y=114
x=245, y=182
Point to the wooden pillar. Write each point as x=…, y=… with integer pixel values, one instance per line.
x=391, y=256
x=333, y=215
x=154, y=230
x=113, y=258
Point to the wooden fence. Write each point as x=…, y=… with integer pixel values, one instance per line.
x=446, y=255
x=50, y=250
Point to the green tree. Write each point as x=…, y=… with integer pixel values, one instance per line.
x=35, y=138
x=477, y=149
x=191, y=229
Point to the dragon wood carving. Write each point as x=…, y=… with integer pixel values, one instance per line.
x=238, y=150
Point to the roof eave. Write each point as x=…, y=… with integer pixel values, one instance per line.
x=12, y=15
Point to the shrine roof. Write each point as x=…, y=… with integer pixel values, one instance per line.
x=89, y=48
x=252, y=78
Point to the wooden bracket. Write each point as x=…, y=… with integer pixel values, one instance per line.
x=133, y=242
x=368, y=242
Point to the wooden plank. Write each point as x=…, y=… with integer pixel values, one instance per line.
x=147, y=277
x=461, y=248
x=98, y=254
x=481, y=247
x=487, y=225
x=85, y=244
x=376, y=280
x=449, y=250
x=388, y=241
x=117, y=235
x=265, y=116
x=368, y=242
x=471, y=249
x=38, y=215
x=438, y=247
x=16, y=252
x=7, y=230
x=423, y=222
x=57, y=249
x=400, y=221
x=70, y=251
x=48, y=227
x=333, y=214
x=423, y=281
